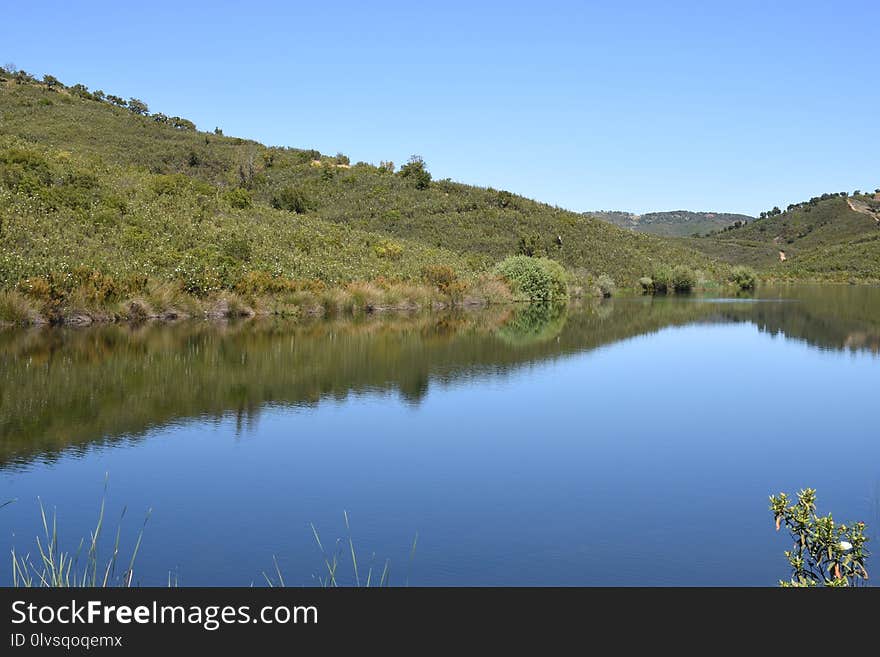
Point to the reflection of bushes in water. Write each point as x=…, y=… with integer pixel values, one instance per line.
x=534, y=322
x=225, y=370
x=604, y=309
x=67, y=387
x=413, y=389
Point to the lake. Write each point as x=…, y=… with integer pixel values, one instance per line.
x=628, y=442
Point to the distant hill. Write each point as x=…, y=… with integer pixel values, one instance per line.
x=833, y=237
x=675, y=223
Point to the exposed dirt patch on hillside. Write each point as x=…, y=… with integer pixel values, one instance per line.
x=862, y=207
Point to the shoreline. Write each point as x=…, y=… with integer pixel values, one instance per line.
x=352, y=300
x=133, y=312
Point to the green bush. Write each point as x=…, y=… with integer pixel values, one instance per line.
x=530, y=245
x=744, y=278
x=238, y=198
x=238, y=248
x=388, y=249
x=24, y=171
x=823, y=552
x=292, y=200
x=662, y=280
x=683, y=278
x=534, y=279
x=416, y=171
x=606, y=285
x=177, y=183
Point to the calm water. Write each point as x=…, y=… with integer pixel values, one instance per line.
x=624, y=443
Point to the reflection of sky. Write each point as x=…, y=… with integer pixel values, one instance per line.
x=648, y=461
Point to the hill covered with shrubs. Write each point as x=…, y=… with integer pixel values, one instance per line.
x=110, y=210
x=833, y=237
x=103, y=199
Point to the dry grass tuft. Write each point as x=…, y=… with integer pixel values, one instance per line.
x=15, y=308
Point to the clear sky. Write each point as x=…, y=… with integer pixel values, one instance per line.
x=634, y=105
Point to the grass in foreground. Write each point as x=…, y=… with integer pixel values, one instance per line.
x=344, y=551
x=52, y=566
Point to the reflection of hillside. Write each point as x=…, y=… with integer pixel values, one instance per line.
x=62, y=388
x=829, y=318
x=67, y=388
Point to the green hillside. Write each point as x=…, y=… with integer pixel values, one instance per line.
x=92, y=185
x=674, y=223
x=831, y=237
x=107, y=207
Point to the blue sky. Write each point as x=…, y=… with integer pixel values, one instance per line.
x=640, y=106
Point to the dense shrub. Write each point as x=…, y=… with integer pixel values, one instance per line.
x=415, y=170
x=823, y=552
x=138, y=106
x=76, y=190
x=388, y=249
x=238, y=198
x=442, y=277
x=534, y=279
x=530, y=245
x=24, y=171
x=237, y=248
x=175, y=183
x=662, y=280
x=744, y=278
x=683, y=278
x=292, y=200
x=309, y=155
x=606, y=285
x=262, y=282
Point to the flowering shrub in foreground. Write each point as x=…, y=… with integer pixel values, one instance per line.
x=822, y=551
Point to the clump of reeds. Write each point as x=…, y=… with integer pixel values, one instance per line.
x=344, y=551
x=16, y=308
x=52, y=566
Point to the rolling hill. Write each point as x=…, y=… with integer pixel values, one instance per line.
x=830, y=237
x=94, y=186
x=103, y=202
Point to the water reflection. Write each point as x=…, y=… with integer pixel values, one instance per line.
x=66, y=389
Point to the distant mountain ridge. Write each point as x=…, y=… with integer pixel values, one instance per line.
x=674, y=223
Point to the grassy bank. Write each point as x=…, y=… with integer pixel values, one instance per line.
x=89, y=297
x=83, y=296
